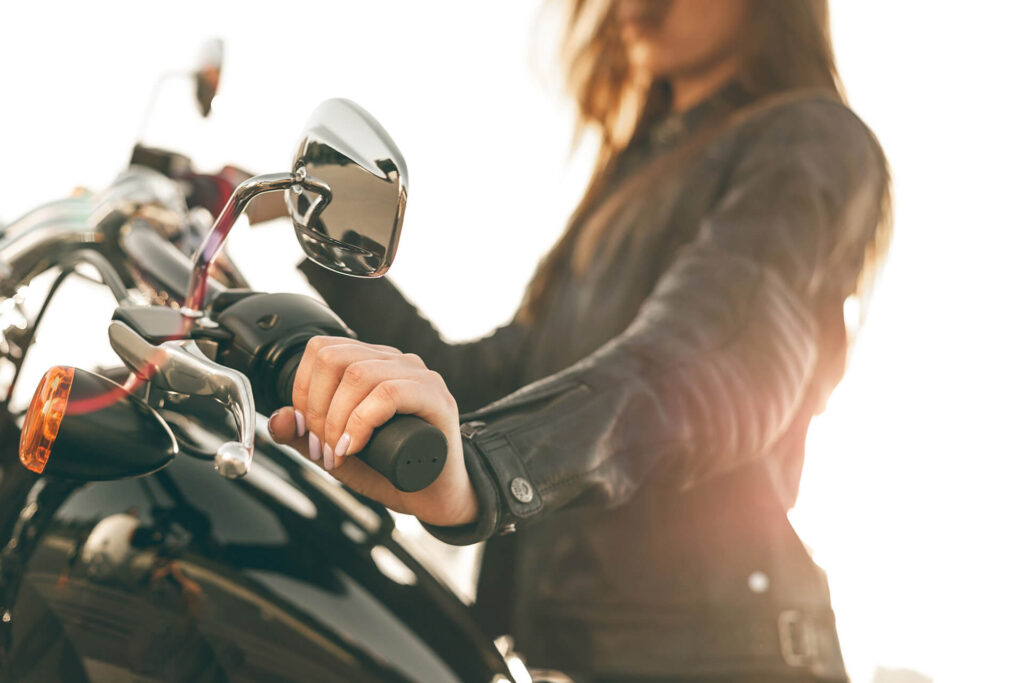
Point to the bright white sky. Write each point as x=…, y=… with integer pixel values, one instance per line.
x=911, y=493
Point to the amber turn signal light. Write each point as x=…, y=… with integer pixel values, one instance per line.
x=83, y=426
x=45, y=413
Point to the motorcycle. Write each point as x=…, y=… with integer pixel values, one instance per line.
x=125, y=554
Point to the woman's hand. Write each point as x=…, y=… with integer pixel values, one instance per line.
x=344, y=389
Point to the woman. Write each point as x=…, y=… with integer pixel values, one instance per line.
x=631, y=441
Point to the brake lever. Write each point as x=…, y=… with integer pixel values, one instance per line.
x=181, y=367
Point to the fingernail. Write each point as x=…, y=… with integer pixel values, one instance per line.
x=314, y=447
x=300, y=424
x=328, y=458
x=341, y=450
x=270, y=419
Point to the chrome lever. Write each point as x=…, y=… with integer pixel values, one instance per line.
x=180, y=366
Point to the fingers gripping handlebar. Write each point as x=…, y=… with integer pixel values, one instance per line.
x=269, y=333
x=260, y=340
x=408, y=450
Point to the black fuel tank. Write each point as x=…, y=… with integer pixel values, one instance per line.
x=184, y=575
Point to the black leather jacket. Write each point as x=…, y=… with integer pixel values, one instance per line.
x=644, y=436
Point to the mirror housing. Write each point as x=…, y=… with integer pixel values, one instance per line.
x=346, y=196
x=207, y=75
x=346, y=150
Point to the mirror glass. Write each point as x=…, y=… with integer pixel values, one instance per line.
x=355, y=231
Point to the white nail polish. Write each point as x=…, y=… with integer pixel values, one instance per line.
x=270, y=421
x=341, y=449
x=314, y=447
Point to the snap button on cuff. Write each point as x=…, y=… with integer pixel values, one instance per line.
x=521, y=490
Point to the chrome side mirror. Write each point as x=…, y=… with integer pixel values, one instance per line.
x=356, y=232
x=207, y=75
x=346, y=195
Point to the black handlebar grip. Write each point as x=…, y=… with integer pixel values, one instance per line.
x=409, y=451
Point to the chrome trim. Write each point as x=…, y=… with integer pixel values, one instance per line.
x=42, y=238
x=181, y=367
x=357, y=232
x=218, y=234
x=141, y=192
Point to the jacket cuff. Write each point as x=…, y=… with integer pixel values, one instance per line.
x=505, y=493
x=487, y=504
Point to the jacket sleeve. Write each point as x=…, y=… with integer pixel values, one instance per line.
x=721, y=353
x=476, y=372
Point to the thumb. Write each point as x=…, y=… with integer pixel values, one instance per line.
x=288, y=426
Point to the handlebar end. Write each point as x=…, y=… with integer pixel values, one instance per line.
x=233, y=460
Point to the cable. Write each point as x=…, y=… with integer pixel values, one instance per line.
x=107, y=273
x=106, y=270
x=33, y=329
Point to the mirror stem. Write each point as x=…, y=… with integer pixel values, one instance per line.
x=214, y=242
x=154, y=95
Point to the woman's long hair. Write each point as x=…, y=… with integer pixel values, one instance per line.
x=789, y=47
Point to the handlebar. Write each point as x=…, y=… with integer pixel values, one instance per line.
x=269, y=335
x=159, y=263
x=409, y=451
